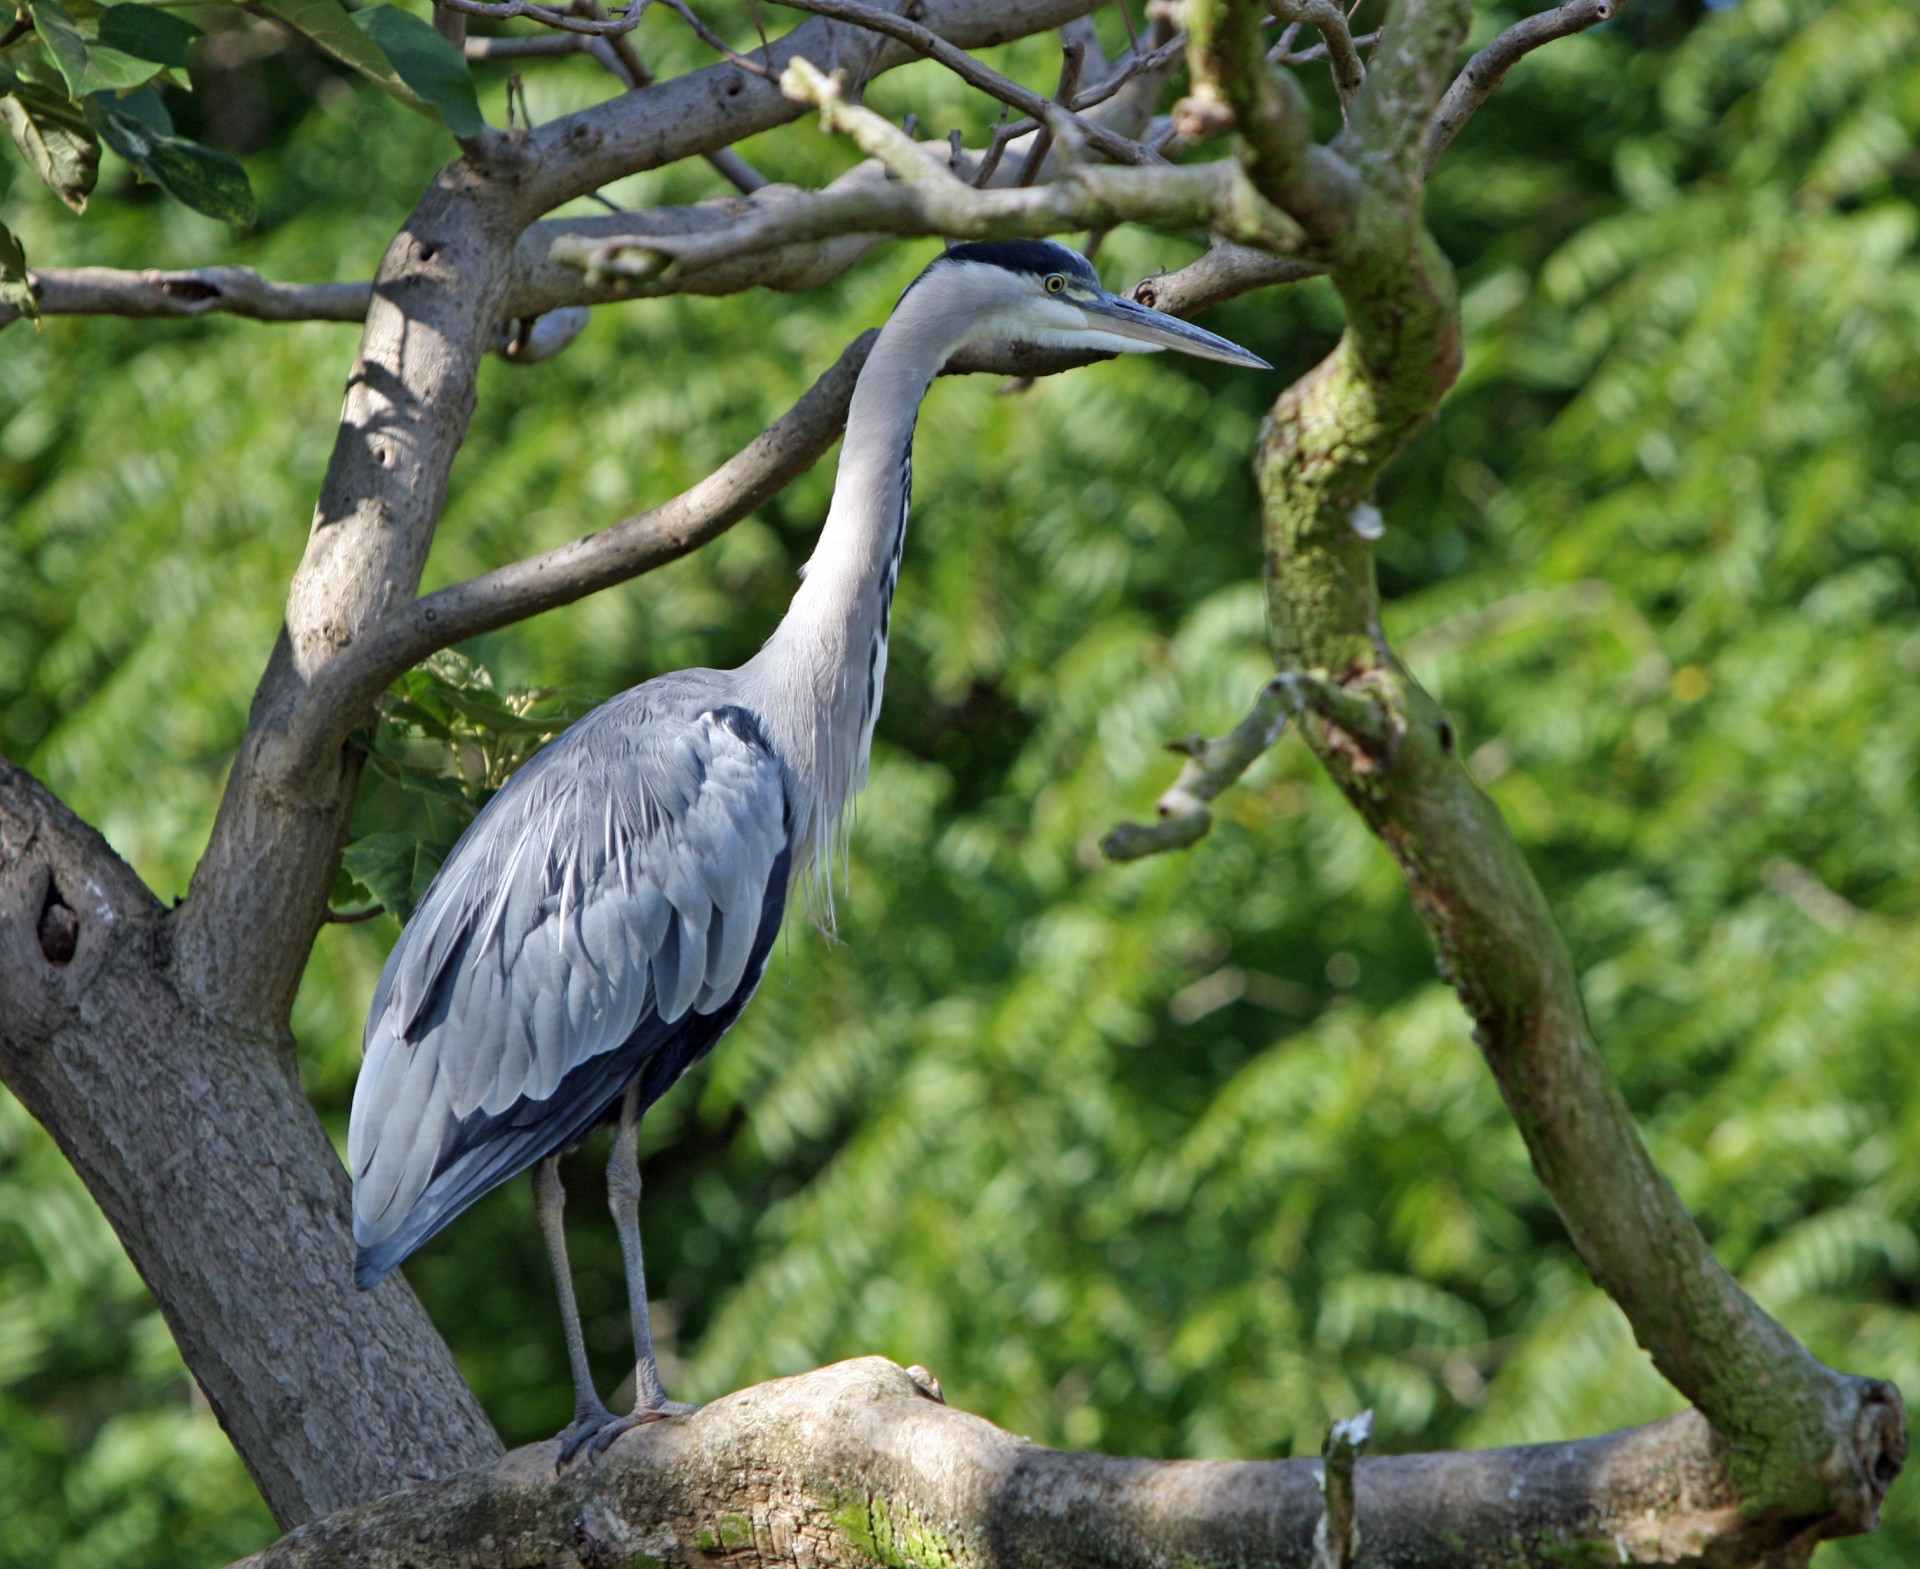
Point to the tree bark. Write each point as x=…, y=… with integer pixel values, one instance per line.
x=859, y=1464
x=194, y=1135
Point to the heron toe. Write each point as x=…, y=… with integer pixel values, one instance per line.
x=624, y=1424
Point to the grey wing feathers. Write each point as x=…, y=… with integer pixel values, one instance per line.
x=609, y=897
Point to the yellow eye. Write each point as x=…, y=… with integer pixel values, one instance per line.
x=1056, y=281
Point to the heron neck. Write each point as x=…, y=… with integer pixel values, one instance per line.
x=825, y=664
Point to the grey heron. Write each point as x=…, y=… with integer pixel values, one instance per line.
x=607, y=916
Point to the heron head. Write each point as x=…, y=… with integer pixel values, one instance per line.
x=1042, y=292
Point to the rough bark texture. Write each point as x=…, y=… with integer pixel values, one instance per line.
x=195, y=1138
x=857, y=1464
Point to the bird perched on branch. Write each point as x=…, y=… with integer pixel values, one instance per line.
x=607, y=916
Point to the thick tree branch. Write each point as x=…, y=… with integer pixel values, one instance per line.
x=578, y=153
x=197, y=1141
x=1804, y=1442
x=858, y=1464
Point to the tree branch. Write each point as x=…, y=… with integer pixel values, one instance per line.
x=859, y=1464
x=1485, y=71
x=1109, y=144
x=1790, y=1452
x=927, y=199
x=1349, y=75
x=233, y=291
x=720, y=105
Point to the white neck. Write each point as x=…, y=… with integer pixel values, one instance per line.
x=819, y=677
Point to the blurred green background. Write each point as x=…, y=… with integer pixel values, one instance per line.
x=1183, y=1158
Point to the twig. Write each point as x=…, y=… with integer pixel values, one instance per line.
x=1003, y=133
x=353, y=917
x=1184, y=812
x=1330, y=22
x=540, y=44
x=1072, y=57
x=1307, y=56
x=22, y=25
x=927, y=199
x=506, y=10
x=1336, y=1538
x=1092, y=97
x=1485, y=71
x=1126, y=21
x=620, y=57
x=715, y=42
x=1110, y=144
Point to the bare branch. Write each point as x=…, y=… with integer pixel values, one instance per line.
x=620, y=57
x=713, y=108
x=233, y=291
x=407, y=634
x=1485, y=71
x=927, y=199
x=1184, y=814
x=566, y=21
x=1349, y=76
x=534, y=47
x=859, y=1464
x=1109, y=144
x=1282, y=54
x=1073, y=57
x=716, y=43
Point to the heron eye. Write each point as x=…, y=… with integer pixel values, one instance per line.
x=1056, y=281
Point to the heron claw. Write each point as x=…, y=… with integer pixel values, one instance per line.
x=598, y=1429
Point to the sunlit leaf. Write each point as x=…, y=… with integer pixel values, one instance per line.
x=199, y=177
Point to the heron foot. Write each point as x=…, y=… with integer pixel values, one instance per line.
x=599, y=1428
x=639, y=1417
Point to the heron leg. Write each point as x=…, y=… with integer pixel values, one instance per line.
x=650, y=1401
x=590, y=1415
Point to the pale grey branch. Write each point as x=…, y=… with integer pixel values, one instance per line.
x=1108, y=144
x=860, y=1463
x=233, y=291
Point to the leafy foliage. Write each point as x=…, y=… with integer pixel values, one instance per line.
x=1179, y=1158
x=80, y=76
x=446, y=740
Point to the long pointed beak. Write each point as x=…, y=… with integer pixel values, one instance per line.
x=1124, y=318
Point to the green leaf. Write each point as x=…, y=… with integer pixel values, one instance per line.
x=147, y=33
x=53, y=136
x=14, y=289
x=88, y=65
x=326, y=23
x=200, y=178
x=395, y=868
x=428, y=64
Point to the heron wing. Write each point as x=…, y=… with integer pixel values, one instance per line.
x=606, y=916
